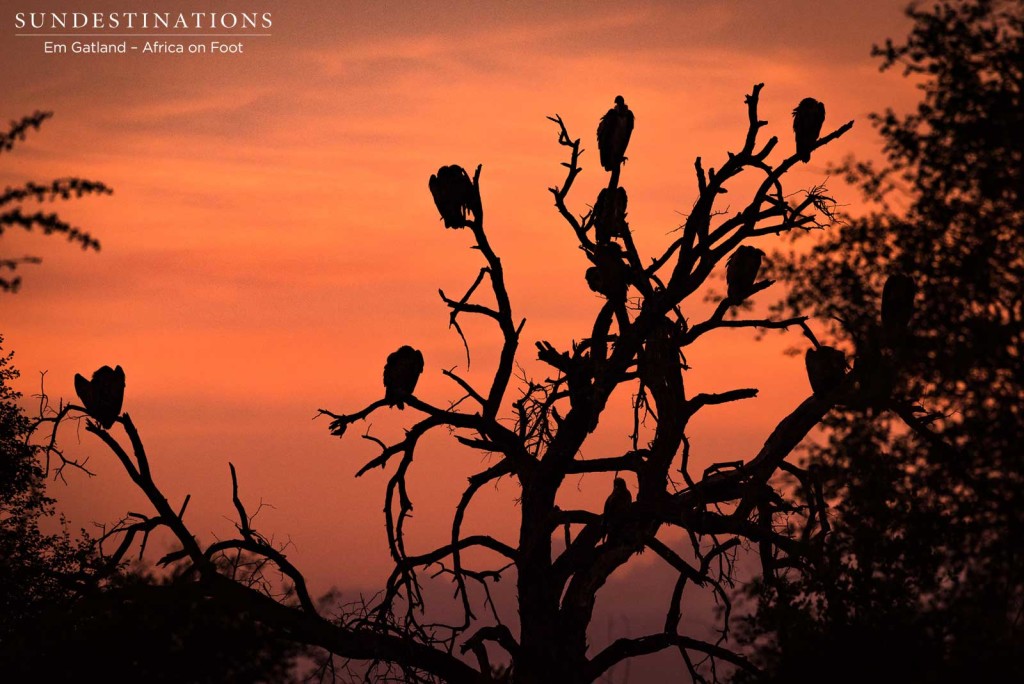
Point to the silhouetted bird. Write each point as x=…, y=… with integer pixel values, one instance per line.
x=741, y=271
x=808, y=118
x=897, y=305
x=613, y=134
x=616, y=506
x=455, y=195
x=608, y=276
x=609, y=215
x=826, y=368
x=596, y=282
x=660, y=356
x=660, y=365
x=401, y=372
x=103, y=395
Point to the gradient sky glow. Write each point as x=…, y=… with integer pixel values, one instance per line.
x=271, y=237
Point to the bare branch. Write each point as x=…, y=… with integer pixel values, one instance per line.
x=622, y=649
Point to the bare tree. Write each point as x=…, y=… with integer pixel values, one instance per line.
x=562, y=558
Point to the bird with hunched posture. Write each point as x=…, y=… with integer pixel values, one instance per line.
x=454, y=195
x=608, y=276
x=610, y=215
x=103, y=395
x=401, y=372
x=826, y=368
x=660, y=367
x=741, y=272
x=897, y=307
x=616, y=507
x=808, y=118
x=613, y=134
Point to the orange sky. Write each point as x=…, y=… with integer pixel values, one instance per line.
x=271, y=237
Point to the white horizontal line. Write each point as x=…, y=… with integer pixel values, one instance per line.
x=142, y=35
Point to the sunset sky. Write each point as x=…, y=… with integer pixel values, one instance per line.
x=271, y=237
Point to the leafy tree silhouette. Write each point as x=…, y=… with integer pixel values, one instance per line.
x=924, y=563
x=28, y=557
x=12, y=203
x=562, y=558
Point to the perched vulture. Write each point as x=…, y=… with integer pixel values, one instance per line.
x=826, y=368
x=597, y=282
x=613, y=134
x=616, y=507
x=660, y=368
x=609, y=215
x=401, y=372
x=103, y=395
x=455, y=195
x=897, y=304
x=808, y=117
x=608, y=277
x=741, y=272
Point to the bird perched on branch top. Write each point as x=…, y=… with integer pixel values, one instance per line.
x=826, y=368
x=616, y=506
x=613, y=134
x=103, y=395
x=808, y=118
x=741, y=272
x=454, y=195
x=401, y=372
x=897, y=306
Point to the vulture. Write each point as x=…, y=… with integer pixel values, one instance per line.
x=454, y=195
x=826, y=368
x=609, y=215
x=897, y=304
x=616, y=506
x=660, y=367
x=608, y=276
x=808, y=117
x=103, y=395
x=741, y=272
x=613, y=134
x=596, y=282
x=401, y=372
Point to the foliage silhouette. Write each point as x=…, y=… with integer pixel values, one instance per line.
x=562, y=558
x=12, y=203
x=924, y=562
x=67, y=614
x=30, y=560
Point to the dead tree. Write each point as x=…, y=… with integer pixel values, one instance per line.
x=562, y=558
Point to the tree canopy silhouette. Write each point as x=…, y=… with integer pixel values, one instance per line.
x=537, y=437
x=924, y=559
x=13, y=213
